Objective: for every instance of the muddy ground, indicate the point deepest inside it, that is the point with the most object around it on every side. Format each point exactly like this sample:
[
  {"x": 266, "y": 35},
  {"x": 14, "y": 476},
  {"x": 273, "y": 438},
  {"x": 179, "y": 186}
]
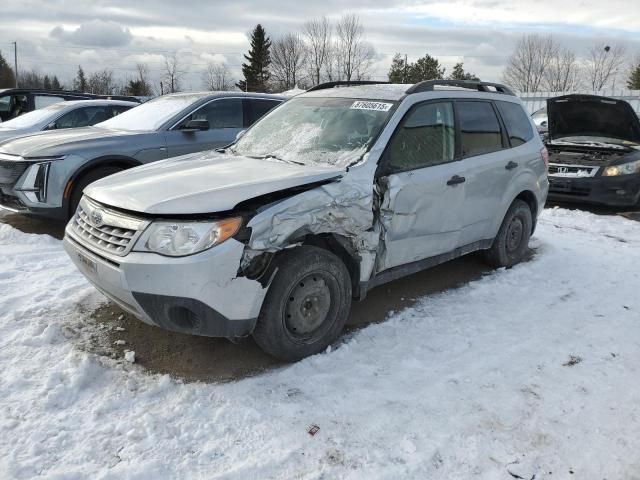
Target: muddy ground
[{"x": 211, "y": 359}]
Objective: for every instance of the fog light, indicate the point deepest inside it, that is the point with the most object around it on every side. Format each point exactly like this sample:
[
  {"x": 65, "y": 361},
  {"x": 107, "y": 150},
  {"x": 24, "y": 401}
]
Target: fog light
[
  {"x": 621, "y": 192},
  {"x": 35, "y": 182}
]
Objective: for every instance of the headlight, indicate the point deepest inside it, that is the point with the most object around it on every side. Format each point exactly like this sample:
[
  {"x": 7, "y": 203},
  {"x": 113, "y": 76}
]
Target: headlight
[
  {"x": 177, "y": 239},
  {"x": 624, "y": 169}
]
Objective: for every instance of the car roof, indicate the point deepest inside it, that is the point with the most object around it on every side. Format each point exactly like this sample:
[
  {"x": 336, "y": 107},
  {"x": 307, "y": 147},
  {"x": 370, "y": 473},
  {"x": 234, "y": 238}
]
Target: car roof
[
  {"x": 381, "y": 91},
  {"x": 99, "y": 102},
  {"x": 210, "y": 94}
]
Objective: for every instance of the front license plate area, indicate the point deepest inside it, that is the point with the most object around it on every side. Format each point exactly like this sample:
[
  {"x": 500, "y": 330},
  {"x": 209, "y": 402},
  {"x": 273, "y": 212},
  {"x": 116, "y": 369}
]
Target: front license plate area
[{"x": 88, "y": 264}]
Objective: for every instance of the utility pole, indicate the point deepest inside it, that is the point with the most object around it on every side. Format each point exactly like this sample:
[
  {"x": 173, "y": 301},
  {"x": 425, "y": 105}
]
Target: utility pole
[
  {"x": 15, "y": 61},
  {"x": 404, "y": 75}
]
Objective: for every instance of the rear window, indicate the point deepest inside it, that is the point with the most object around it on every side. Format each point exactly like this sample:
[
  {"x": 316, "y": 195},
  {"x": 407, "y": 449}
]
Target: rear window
[
  {"x": 479, "y": 128},
  {"x": 517, "y": 123}
]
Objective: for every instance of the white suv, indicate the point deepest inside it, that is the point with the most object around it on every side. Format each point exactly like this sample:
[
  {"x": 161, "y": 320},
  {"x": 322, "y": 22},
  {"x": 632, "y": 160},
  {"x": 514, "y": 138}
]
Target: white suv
[{"x": 333, "y": 193}]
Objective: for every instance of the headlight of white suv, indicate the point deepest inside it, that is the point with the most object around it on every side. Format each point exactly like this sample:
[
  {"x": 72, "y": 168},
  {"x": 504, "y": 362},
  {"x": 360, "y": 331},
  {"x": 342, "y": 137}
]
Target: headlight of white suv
[
  {"x": 623, "y": 169},
  {"x": 177, "y": 239}
]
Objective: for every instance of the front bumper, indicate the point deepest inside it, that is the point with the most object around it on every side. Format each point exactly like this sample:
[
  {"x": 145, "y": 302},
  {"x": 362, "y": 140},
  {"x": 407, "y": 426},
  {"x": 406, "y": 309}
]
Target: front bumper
[
  {"x": 622, "y": 191},
  {"x": 200, "y": 294}
]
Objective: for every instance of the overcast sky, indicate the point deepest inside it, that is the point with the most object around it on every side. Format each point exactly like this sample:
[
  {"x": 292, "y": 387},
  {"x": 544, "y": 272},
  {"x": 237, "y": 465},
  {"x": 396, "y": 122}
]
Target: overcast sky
[{"x": 57, "y": 35}]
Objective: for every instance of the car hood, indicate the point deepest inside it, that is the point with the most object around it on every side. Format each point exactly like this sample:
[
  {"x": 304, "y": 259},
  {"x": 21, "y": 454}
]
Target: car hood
[
  {"x": 592, "y": 116},
  {"x": 202, "y": 183},
  {"x": 59, "y": 142},
  {"x": 7, "y": 133}
]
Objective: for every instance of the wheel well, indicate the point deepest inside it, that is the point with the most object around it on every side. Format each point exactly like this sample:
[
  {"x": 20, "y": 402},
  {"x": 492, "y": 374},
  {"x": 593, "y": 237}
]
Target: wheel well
[
  {"x": 120, "y": 162},
  {"x": 529, "y": 197}
]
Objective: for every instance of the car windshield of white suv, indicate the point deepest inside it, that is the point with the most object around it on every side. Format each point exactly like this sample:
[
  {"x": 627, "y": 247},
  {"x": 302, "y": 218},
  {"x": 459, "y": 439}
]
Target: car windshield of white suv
[
  {"x": 152, "y": 114},
  {"x": 316, "y": 131},
  {"x": 32, "y": 118}
]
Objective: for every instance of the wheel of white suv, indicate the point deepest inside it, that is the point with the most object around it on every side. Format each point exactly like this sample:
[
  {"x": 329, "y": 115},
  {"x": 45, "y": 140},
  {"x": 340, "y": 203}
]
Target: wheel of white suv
[
  {"x": 307, "y": 304},
  {"x": 512, "y": 241}
]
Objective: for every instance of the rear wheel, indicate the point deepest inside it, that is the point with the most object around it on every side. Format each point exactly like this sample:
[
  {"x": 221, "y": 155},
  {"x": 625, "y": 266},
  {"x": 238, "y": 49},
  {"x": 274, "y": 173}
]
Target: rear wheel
[
  {"x": 84, "y": 181},
  {"x": 511, "y": 244},
  {"x": 307, "y": 304}
]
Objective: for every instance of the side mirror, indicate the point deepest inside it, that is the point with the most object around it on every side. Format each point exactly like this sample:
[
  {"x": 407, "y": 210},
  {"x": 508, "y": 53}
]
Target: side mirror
[
  {"x": 240, "y": 134},
  {"x": 51, "y": 126},
  {"x": 195, "y": 125}
]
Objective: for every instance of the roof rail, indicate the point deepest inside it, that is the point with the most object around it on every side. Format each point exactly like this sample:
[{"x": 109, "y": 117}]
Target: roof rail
[
  {"x": 343, "y": 83},
  {"x": 488, "y": 87}
]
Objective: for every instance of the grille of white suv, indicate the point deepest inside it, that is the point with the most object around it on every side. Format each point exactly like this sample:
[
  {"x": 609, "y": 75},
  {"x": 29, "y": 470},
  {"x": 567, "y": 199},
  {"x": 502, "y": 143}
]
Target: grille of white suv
[{"x": 105, "y": 229}]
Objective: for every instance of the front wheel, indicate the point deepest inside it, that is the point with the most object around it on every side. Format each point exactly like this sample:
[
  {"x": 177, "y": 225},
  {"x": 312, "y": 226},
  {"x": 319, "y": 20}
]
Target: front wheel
[
  {"x": 511, "y": 243},
  {"x": 85, "y": 181},
  {"x": 307, "y": 304}
]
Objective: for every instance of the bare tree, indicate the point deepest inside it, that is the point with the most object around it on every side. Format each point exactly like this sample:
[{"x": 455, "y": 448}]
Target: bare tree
[
  {"x": 288, "y": 56},
  {"x": 317, "y": 34},
  {"x": 173, "y": 72},
  {"x": 526, "y": 66},
  {"x": 563, "y": 71},
  {"x": 102, "y": 82},
  {"x": 353, "y": 55},
  {"x": 604, "y": 64},
  {"x": 217, "y": 77}
]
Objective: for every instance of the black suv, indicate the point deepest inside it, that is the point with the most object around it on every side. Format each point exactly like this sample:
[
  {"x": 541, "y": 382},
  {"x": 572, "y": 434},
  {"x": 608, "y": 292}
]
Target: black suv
[{"x": 16, "y": 101}]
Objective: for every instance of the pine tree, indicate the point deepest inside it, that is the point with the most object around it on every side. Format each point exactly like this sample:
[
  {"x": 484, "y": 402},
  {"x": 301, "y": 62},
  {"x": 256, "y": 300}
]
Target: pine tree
[
  {"x": 80, "y": 82},
  {"x": 634, "y": 78},
  {"x": 46, "y": 83},
  {"x": 256, "y": 71},
  {"x": 425, "y": 68},
  {"x": 55, "y": 84},
  {"x": 398, "y": 70},
  {"x": 7, "y": 77},
  {"x": 459, "y": 73}
]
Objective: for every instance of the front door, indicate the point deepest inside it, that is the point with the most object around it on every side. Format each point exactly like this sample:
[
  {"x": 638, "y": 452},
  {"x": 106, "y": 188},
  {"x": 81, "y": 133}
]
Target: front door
[
  {"x": 422, "y": 187},
  {"x": 225, "y": 119}
]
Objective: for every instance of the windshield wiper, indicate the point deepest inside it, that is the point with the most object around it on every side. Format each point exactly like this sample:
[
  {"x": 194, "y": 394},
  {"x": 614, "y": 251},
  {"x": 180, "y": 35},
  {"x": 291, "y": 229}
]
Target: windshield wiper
[{"x": 274, "y": 157}]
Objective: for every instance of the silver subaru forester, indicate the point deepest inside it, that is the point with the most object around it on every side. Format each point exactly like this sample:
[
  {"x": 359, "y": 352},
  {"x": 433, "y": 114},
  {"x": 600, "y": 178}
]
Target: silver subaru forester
[{"x": 332, "y": 193}]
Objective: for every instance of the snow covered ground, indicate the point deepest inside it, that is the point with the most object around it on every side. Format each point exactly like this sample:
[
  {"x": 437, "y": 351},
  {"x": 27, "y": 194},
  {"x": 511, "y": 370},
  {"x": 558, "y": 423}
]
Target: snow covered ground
[{"x": 530, "y": 371}]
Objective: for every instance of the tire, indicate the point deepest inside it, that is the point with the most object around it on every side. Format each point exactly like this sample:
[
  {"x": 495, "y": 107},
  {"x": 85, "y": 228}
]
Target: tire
[
  {"x": 512, "y": 241},
  {"x": 307, "y": 305},
  {"x": 84, "y": 181}
]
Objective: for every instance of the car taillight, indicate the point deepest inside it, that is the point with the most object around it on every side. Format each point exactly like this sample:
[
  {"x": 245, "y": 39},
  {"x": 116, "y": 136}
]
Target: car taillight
[{"x": 544, "y": 153}]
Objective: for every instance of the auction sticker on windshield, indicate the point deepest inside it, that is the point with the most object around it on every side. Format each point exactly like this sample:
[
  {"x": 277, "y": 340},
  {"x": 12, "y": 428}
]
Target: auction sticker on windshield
[{"x": 377, "y": 106}]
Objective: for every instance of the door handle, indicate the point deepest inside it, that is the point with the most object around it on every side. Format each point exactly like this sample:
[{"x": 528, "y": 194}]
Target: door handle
[
  {"x": 511, "y": 165},
  {"x": 456, "y": 179}
]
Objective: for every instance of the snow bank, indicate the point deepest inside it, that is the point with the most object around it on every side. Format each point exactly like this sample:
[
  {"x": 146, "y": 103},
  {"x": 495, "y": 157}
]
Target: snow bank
[{"x": 531, "y": 371}]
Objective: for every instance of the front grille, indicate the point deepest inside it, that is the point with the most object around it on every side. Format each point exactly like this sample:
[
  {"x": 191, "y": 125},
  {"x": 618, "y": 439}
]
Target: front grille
[
  {"x": 10, "y": 172},
  {"x": 576, "y": 171},
  {"x": 105, "y": 229}
]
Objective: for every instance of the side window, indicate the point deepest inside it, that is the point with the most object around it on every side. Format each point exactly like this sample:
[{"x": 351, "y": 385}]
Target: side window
[
  {"x": 118, "y": 109},
  {"x": 479, "y": 128},
  {"x": 516, "y": 122},
  {"x": 83, "y": 117},
  {"x": 12, "y": 106},
  {"x": 222, "y": 113},
  {"x": 258, "y": 108},
  {"x": 42, "y": 101},
  {"x": 426, "y": 137}
]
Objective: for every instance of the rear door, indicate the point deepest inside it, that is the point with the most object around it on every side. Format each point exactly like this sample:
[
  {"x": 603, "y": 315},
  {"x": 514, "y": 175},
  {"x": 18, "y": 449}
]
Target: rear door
[
  {"x": 226, "y": 120},
  {"x": 422, "y": 186},
  {"x": 485, "y": 159}
]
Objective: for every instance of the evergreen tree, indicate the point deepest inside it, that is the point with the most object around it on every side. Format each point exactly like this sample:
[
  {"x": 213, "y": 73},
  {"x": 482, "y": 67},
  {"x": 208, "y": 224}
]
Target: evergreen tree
[
  {"x": 256, "y": 71},
  {"x": 80, "y": 83},
  {"x": 398, "y": 69},
  {"x": 634, "y": 78},
  {"x": 425, "y": 68},
  {"x": 459, "y": 73},
  {"x": 7, "y": 77},
  {"x": 55, "y": 84},
  {"x": 46, "y": 83}
]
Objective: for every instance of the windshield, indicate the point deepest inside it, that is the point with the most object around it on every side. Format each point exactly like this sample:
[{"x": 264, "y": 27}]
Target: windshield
[
  {"x": 152, "y": 114},
  {"x": 316, "y": 131},
  {"x": 33, "y": 118}
]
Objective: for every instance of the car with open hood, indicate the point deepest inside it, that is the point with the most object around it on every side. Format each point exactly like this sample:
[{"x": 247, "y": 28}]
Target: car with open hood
[
  {"x": 45, "y": 173},
  {"x": 594, "y": 151},
  {"x": 334, "y": 192}
]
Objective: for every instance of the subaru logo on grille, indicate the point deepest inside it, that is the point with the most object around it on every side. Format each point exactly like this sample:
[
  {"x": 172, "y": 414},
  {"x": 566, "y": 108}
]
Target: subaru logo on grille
[{"x": 96, "y": 218}]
